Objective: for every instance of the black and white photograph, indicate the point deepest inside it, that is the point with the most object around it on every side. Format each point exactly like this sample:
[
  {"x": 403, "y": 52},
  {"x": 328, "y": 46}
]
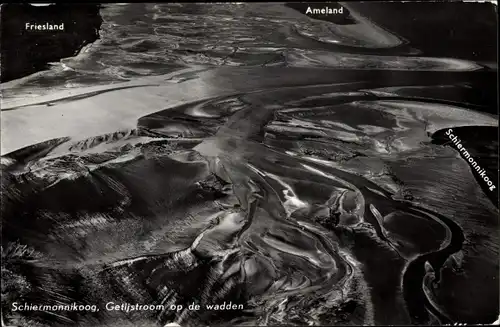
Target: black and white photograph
[{"x": 249, "y": 164}]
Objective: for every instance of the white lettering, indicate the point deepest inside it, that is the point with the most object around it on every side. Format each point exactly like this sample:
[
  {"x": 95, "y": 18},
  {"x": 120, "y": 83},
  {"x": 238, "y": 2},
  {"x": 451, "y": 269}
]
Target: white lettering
[
  {"x": 470, "y": 159},
  {"x": 44, "y": 27},
  {"x": 325, "y": 11}
]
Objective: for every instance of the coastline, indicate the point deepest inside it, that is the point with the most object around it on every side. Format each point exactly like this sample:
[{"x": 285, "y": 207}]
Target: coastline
[{"x": 31, "y": 49}]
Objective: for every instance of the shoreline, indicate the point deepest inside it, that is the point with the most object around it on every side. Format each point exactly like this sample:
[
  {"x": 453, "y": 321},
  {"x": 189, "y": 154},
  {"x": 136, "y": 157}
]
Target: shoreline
[
  {"x": 466, "y": 155},
  {"x": 33, "y": 40}
]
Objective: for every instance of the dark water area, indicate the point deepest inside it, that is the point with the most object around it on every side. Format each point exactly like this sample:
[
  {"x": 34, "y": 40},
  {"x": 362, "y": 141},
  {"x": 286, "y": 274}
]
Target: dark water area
[
  {"x": 423, "y": 267},
  {"x": 25, "y": 52},
  {"x": 294, "y": 165},
  {"x": 423, "y": 24}
]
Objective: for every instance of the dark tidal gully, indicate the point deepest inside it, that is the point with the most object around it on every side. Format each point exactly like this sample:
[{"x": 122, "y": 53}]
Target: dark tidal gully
[{"x": 249, "y": 164}]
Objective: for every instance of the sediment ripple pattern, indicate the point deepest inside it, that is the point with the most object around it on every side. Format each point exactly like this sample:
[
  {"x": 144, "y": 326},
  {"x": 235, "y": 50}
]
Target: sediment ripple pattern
[
  {"x": 271, "y": 205},
  {"x": 296, "y": 168}
]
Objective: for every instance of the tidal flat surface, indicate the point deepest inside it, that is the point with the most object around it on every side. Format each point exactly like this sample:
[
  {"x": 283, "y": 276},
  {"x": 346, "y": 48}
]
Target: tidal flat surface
[{"x": 295, "y": 166}]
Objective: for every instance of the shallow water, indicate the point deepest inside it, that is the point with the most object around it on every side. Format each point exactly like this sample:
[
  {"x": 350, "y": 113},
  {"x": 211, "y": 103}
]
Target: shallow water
[{"x": 248, "y": 153}]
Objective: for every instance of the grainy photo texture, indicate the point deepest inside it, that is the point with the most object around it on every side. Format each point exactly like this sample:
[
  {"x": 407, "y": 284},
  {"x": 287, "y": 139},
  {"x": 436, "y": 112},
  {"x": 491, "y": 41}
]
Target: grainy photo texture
[{"x": 249, "y": 164}]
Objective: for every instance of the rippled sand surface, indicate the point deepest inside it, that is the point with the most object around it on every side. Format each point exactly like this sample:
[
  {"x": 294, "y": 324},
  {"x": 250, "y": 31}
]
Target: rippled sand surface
[{"x": 249, "y": 153}]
